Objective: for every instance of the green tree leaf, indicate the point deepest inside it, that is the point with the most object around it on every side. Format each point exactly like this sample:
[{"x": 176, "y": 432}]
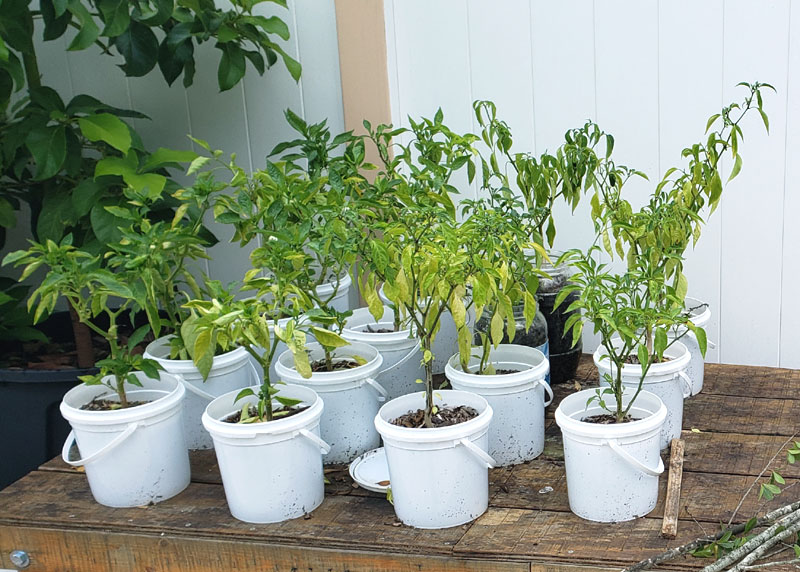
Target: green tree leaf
[
  {"x": 48, "y": 145},
  {"x": 139, "y": 46},
  {"x": 231, "y": 66},
  {"x": 107, "y": 128}
]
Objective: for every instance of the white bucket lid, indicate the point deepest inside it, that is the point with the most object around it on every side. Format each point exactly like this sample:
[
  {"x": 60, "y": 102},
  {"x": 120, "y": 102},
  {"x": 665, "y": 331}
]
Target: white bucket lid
[
  {"x": 354, "y": 330},
  {"x": 284, "y": 367},
  {"x": 280, "y": 429},
  {"x": 371, "y": 469},
  {"x": 648, "y": 407},
  {"x": 530, "y": 363}
]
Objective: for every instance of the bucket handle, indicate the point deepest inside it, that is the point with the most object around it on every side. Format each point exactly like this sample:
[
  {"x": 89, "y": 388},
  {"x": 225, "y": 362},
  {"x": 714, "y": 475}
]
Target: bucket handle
[
  {"x": 687, "y": 384},
  {"x": 100, "y": 452},
  {"x": 634, "y": 462},
  {"x": 383, "y": 395},
  {"x": 324, "y": 448},
  {"x": 402, "y": 361},
  {"x": 548, "y": 390},
  {"x": 479, "y": 453},
  {"x": 256, "y": 380},
  {"x": 194, "y": 389}
]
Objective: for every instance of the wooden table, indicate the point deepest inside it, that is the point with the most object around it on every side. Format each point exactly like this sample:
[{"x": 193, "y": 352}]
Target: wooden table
[{"x": 731, "y": 430}]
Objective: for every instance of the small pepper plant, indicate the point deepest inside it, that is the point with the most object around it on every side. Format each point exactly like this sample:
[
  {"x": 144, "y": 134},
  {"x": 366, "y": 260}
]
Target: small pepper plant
[
  {"x": 644, "y": 304},
  {"x": 94, "y": 291},
  {"x": 428, "y": 260}
]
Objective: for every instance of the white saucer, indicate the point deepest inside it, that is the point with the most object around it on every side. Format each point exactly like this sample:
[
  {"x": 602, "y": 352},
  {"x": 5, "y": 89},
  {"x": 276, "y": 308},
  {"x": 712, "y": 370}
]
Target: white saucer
[{"x": 370, "y": 469}]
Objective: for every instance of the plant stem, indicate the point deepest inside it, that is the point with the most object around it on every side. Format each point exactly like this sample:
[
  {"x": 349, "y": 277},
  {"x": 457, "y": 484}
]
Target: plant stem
[
  {"x": 83, "y": 339},
  {"x": 426, "y": 346},
  {"x": 31, "y": 70}
]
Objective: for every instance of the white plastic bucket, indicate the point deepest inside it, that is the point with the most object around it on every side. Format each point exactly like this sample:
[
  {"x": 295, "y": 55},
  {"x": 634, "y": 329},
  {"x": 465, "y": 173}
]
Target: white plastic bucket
[
  {"x": 352, "y": 398},
  {"x": 229, "y": 371},
  {"x": 439, "y": 476},
  {"x": 516, "y": 433},
  {"x": 133, "y": 456},
  {"x": 701, "y": 316},
  {"x": 341, "y": 301},
  {"x": 612, "y": 470},
  {"x": 668, "y": 380},
  {"x": 446, "y": 342},
  {"x": 271, "y": 471},
  {"x": 402, "y": 356}
]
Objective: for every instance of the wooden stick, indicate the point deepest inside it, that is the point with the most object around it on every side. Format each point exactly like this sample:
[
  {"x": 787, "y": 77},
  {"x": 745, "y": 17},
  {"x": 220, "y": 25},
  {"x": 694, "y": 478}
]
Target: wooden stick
[{"x": 672, "y": 504}]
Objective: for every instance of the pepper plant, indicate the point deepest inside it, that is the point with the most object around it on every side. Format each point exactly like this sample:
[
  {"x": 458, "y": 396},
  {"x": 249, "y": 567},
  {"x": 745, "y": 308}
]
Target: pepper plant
[
  {"x": 643, "y": 305},
  {"x": 428, "y": 260},
  {"x": 93, "y": 291}
]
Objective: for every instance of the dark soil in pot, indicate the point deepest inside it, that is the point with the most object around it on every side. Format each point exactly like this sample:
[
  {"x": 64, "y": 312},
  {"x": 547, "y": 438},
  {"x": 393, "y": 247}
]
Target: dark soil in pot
[
  {"x": 320, "y": 366},
  {"x": 444, "y": 417},
  {"x": 607, "y": 419}
]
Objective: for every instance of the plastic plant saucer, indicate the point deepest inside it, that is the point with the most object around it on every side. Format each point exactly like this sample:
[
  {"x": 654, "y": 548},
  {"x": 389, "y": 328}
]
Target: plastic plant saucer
[{"x": 370, "y": 471}]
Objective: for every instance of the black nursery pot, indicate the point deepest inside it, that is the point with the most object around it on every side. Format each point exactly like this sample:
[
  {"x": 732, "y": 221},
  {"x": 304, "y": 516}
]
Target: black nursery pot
[
  {"x": 32, "y": 430},
  {"x": 564, "y": 357}
]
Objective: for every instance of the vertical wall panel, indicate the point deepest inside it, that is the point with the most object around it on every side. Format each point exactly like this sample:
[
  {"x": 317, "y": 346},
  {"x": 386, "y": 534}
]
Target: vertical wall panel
[
  {"x": 564, "y": 93},
  {"x": 790, "y": 291},
  {"x": 626, "y": 44},
  {"x": 690, "y": 91},
  {"x": 756, "y": 48}
]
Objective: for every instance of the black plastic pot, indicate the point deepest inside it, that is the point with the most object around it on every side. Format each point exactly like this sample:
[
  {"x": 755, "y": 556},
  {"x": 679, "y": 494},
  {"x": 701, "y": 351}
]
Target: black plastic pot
[
  {"x": 564, "y": 357},
  {"x": 32, "y": 430}
]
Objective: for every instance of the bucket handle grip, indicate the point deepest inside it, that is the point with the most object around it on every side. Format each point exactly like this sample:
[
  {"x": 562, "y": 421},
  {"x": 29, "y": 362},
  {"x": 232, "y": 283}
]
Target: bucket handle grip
[
  {"x": 687, "y": 384},
  {"x": 254, "y": 371},
  {"x": 383, "y": 395},
  {"x": 192, "y": 388},
  {"x": 405, "y": 358},
  {"x": 100, "y": 452},
  {"x": 711, "y": 344},
  {"x": 634, "y": 462},
  {"x": 478, "y": 453},
  {"x": 548, "y": 390},
  {"x": 324, "y": 448}
]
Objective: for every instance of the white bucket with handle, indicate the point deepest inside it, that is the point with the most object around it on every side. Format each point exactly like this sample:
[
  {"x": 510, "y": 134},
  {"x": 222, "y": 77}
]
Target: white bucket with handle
[
  {"x": 133, "y": 456},
  {"x": 701, "y": 316},
  {"x": 439, "y": 476},
  {"x": 516, "y": 433},
  {"x": 668, "y": 380},
  {"x": 229, "y": 371},
  {"x": 351, "y": 396},
  {"x": 402, "y": 356},
  {"x": 612, "y": 470},
  {"x": 271, "y": 471}
]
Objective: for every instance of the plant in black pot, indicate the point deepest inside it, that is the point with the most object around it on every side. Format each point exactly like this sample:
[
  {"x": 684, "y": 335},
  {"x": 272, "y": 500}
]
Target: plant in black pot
[{"x": 564, "y": 175}]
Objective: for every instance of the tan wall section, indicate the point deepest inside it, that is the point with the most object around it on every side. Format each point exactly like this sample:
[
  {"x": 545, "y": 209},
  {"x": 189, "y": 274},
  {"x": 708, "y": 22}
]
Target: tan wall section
[{"x": 362, "y": 60}]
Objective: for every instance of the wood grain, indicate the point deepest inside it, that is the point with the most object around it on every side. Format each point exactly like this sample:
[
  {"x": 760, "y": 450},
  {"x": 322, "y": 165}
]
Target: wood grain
[{"x": 669, "y": 528}]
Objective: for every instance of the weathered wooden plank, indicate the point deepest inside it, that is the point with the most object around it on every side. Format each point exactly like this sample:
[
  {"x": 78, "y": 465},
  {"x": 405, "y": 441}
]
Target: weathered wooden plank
[
  {"x": 706, "y": 497},
  {"x": 669, "y": 528},
  {"x": 751, "y": 381},
  {"x": 62, "y": 500},
  {"x": 736, "y": 454},
  {"x": 99, "y": 551},
  {"x": 504, "y": 533},
  {"x": 751, "y": 415}
]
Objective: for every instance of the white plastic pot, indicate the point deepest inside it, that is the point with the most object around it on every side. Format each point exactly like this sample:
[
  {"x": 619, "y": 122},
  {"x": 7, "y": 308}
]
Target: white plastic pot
[
  {"x": 516, "y": 433},
  {"x": 133, "y": 456},
  {"x": 446, "y": 342},
  {"x": 270, "y": 471},
  {"x": 402, "y": 356},
  {"x": 229, "y": 371},
  {"x": 440, "y": 476},
  {"x": 668, "y": 380},
  {"x": 341, "y": 301},
  {"x": 612, "y": 470},
  {"x": 352, "y": 398},
  {"x": 700, "y": 317}
]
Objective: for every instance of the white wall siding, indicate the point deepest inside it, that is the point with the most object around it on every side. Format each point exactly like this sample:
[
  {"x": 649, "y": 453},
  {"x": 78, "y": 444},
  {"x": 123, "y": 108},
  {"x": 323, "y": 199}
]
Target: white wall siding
[{"x": 650, "y": 72}]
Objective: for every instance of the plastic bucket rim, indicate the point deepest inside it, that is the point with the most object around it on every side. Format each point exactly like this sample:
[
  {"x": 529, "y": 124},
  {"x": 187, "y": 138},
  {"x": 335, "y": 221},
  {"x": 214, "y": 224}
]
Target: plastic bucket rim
[
  {"x": 530, "y": 376},
  {"x": 183, "y": 366},
  {"x": 669, "y": 368},
  {"x": 322, "y": 378}
]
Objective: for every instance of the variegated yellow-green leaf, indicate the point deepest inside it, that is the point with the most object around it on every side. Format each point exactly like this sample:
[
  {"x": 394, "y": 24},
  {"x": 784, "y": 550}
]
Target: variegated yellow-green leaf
[
  {"x": 328, "y": 338},
  {"x": 496, "y": 329}
]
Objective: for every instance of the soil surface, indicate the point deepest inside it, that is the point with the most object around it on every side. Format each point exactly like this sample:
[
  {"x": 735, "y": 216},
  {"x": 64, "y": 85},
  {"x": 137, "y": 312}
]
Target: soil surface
[
  {"x": 338, "y": 365},
  {"x": 445, "y": 417},
  {"x": 632, "y": 359},
  {"x": 109, "y": 405},
  {"x": 607, "y": 419},
  {"x": 505, "y": 371},
  {"x": 284, "y": 412},
  {"x": 370, "y": 330}
]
